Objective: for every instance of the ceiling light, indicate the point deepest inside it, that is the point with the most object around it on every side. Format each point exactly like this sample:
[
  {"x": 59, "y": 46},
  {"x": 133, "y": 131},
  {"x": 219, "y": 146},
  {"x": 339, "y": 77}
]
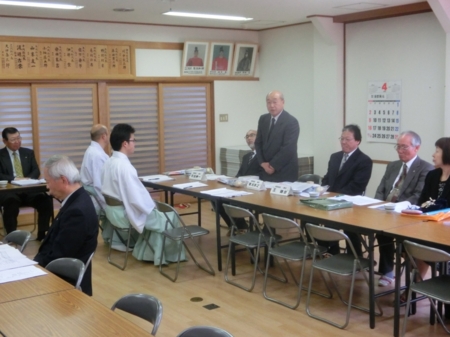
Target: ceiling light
[
  {"x": 39, "y": 4},
  {"x": 208, "y": 16}
]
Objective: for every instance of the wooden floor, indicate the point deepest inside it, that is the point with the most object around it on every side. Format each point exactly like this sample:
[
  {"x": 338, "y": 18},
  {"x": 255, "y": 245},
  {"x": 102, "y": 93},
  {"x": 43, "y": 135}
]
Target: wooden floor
[{"x": 239, "y": 312}]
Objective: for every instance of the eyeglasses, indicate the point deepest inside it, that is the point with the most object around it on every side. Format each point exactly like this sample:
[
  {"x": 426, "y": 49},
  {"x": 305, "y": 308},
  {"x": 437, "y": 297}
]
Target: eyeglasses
[
  {"x": 250, "y": 136},
  {"x": 132, "y": 140},
  {"x": 15, "y": 140},
  {"x": 401, "y": 147},
  {"x": 346, "y": 140}
]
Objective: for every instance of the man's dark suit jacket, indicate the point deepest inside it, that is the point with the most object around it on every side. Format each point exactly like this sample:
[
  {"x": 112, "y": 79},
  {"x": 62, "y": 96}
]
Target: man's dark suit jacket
[
  {"x": 430, "y": 189},
  {"x": 354, "y": 176},
  {"x": 73, "y": 234},
  {"x": 412, "y": 185},
  {"x": 280, "y": 150},
  {"x": 249, "y": 167},
  {"x": 30, "y": 167}
]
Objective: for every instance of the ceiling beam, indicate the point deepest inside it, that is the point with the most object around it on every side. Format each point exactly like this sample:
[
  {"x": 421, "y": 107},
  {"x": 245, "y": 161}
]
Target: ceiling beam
[{"x": 388, "y": 12}]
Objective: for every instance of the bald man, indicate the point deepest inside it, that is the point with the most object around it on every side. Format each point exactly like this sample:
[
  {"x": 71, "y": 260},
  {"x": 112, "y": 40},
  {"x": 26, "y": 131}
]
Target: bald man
[
  {"x": 93, "y": 160},
  {"x": 276, "y": 141}
]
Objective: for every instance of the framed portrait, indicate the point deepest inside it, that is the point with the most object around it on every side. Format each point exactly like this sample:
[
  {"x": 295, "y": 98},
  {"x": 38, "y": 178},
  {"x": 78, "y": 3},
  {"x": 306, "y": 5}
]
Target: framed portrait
[
  {"x": 194, "y": 58},
  {"x": 220, "y": 59},
  {"x": 244, "y": 59}
]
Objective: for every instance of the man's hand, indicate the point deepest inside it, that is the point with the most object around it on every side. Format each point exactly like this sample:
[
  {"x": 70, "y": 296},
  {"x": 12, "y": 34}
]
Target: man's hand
[{"x": 269, "y": 169}]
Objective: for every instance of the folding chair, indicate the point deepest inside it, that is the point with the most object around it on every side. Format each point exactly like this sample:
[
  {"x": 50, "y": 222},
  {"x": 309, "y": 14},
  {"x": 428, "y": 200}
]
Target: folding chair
[
  {"x": 310, "y": 177},
  {"x": 144, "y": 306},
  {"x": 181, "y": 233},
  {"x": 100, "y": 211},
  {"x": 18, "y": 238},
  {"x": 254, "y": 238},
  {"x": 69, "y": 269},
  {"x": 204, "y": 331},
  {"x": 340, "y": 264},
  {"x": 436, "y": 288},
  {"x": 123, "y": 229},
  {"x": 297, "y": 250}
]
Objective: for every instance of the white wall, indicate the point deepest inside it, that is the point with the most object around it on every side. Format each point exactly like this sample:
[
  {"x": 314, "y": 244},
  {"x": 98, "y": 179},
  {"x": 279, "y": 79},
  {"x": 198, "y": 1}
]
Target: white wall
[
  {"x": 286, "y": 64},
  {"x": 411, "y": 49}
]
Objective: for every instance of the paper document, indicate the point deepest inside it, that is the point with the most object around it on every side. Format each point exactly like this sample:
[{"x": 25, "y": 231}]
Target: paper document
[
  {"x": 156, "y": 177},
  {"x": 216, "y": 176},
  {"x": 26, "y": 182},
  {"x": 20, "y": 274},
  {"x": 225, "y": 193},
  {"x": 186, "y": 186},
  {"x": 247, "y": 178},
  {"x": 399, "y": 206},
  {"x": 11, "y": 258},
  {"x": 358, "y": 200}
]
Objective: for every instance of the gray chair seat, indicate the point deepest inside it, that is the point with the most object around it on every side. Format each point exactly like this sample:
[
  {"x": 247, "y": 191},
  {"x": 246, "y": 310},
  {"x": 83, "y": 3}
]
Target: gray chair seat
[
  {"x": 341, "y": 264},
  {"x": 185, "y": 232}
]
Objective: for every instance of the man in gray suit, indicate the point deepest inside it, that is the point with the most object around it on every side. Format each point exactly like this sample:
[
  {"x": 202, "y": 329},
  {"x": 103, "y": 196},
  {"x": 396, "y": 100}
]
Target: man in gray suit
[
  {"x": 402, "y": 181},
  {"x": 276, "y": 141}
]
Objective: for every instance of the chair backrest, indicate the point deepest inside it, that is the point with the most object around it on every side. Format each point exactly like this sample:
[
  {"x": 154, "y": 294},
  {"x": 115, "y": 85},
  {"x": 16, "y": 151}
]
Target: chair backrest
[
  {"x": 19, "y": 238},
  {"x": 276, "y": 222},
  {"x": 310, "y": 177},
  {"x": 111, "y": 201},
  {"x": 68, "y": 268},
  {"x": 328, "y": 234},
  {"x": 240, "y": 213},
  {"x": 168, "y": 210},
  {"x": 204, "y": 331},
  {"x": 144, "y": 306},
  {"x": 93, "y": 194},
  {"x": 425, "y": 253}
]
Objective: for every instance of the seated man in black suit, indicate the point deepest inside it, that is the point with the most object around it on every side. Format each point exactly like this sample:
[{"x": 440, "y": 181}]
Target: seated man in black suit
[
  {"x": 249, "y": 167},
  {"x": 75, "y": 229},
  {"x": 16, "y": 163},
  {"x": 348, "y": 173}
]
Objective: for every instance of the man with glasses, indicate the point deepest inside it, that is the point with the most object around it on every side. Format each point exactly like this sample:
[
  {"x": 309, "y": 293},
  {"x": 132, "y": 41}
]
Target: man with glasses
[
  {"x": 17, "y": 163},
  {"x": 403, "y": 181},
  {"x": 250, "y": 165},
  {"x": 348, "y": 173}
]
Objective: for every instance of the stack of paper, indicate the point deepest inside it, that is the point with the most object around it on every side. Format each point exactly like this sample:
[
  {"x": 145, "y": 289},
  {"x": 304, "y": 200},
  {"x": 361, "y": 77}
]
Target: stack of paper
[
  {"x": 16, "y": 266},
  {"x": 26, "y": 182},
  {"x": 357, "y": 199},
  {"x": 225, "y": 193},
  {"x": 156, "y": 177},
  {"x": 186, "y": 186}
]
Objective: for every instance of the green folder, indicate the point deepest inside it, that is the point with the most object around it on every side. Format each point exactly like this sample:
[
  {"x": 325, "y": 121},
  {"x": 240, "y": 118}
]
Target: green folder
[{"x": 326, "y": 204}]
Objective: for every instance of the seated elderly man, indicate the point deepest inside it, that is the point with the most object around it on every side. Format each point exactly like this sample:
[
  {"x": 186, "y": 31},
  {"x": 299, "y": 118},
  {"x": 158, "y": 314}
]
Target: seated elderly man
[
  {"x": 75, "y": 229},
  {"x": 120, "y": 181}
]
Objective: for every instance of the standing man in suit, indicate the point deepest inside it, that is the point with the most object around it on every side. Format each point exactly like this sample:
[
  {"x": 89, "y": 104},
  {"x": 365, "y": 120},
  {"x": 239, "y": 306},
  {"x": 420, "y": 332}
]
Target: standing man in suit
[
  {"x": 403, "y": 181},
  {"x": 276, "y": 141},
  {"x": 349, "y": 173},
  {"x": 17, "y": 163},
  {"x": 75, "y": 229}
]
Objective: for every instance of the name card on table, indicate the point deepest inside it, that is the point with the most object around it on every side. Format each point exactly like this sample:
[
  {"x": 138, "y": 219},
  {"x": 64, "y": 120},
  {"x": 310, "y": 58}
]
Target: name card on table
[
  {"x": 197, "y": 175},
  {"x": 281, "y": 190},
  {"x": 255, "y": 184}
]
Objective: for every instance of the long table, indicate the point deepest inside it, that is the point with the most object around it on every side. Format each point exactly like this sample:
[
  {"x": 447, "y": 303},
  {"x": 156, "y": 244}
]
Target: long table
[
  {"x": 436, "y": 234},
  {"x": 358, "y": 219},
  {"x": 11, "y": 188},
  {"x": 64, "y": 313},
  {"x": 31, "y": 287}
]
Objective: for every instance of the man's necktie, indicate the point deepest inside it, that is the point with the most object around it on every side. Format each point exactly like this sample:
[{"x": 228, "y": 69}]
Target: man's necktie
[
  {"x": 393, "y": 195},
  {"x": 272, "y": 124},
  {"x": 17, "y": 165},
  {"x": 344, "y": 159},
  {"x": 251, "y": 157}
]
